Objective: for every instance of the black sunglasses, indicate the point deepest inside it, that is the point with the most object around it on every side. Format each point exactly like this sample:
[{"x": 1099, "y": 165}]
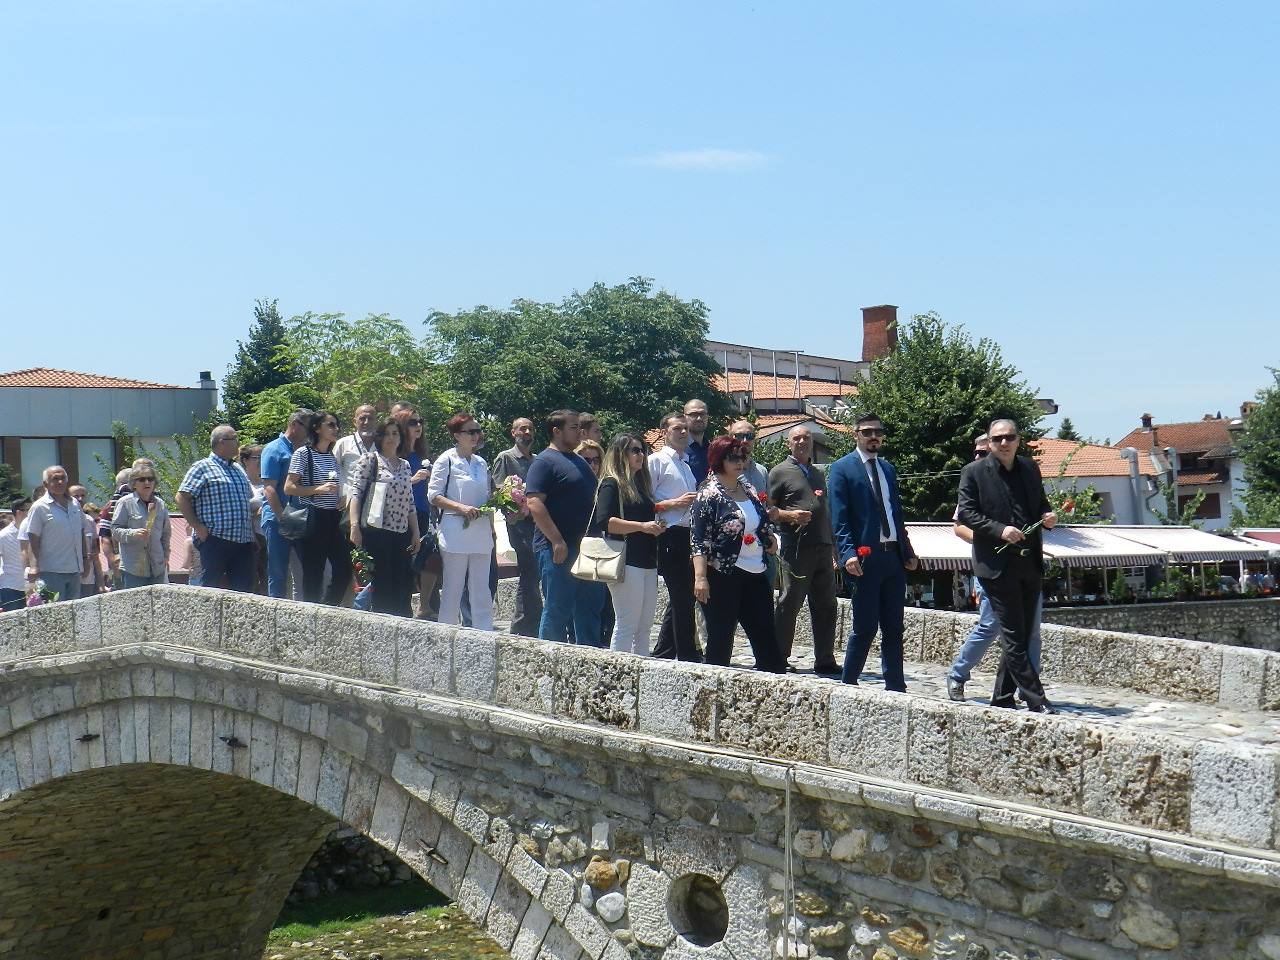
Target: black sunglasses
[
  {"x": 635, "y": 449},
  {"x": 744, "y": 436},
  {"x": 474, "y": 431},
  {"x": 871, "y": 431},
  {"x": 415, "y": 422}
]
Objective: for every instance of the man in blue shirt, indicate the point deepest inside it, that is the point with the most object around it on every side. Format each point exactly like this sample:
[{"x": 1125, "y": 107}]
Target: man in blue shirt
[
  {"x": 214, "y": 499},
  {"x": 274, "y": 467},
  {"x": 561, "y": 489},
  {"x": 695, "y": 414}
]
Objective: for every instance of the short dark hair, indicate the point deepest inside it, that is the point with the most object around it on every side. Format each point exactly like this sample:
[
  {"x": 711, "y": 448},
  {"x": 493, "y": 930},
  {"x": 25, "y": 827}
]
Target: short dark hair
[
  {"x": 720, "y": 448},
  {"x": 666, "y": 421},
  {"x": 458, "y": 421},
  {"x": 19, "y": 503},
  {"x": 556, "y": 420},
  {"x": 586, "y": 419},
  {"x": 867, "y": 418},
  {"x": 303, "y": 416},
  {"x": 380, "y": 432}
]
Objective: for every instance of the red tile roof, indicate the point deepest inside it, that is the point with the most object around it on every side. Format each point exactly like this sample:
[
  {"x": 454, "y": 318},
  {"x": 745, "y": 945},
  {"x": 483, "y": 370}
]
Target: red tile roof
[
  {"x": 1195, "y": 478},
  {"x": 1196, "y": 436},
  {"x": 49, "y": 377},
  {"x": 1087, "y": 460},
  {"x": 765, "y": 386}
]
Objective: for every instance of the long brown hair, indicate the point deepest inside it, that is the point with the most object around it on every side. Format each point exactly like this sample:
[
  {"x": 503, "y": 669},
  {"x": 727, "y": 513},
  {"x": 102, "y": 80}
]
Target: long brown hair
[{"x": 633, "y": 487}]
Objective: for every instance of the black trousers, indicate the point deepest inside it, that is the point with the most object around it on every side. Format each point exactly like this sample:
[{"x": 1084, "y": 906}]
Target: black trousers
[
  {"x": 1014, "y": 595},
  {"x": 327, "y": 543},
  {"x": 814, "y": 580},
  {"x": 677, "y": 639},
  {"x": 528, "y": 612},
  {"x": 392, "y": 570},
  {"x": 738, "y": 597}
]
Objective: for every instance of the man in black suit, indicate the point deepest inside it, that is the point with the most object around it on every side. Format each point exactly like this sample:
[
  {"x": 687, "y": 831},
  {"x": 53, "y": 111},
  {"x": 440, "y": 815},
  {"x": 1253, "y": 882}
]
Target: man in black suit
[
  {"x": 798, "y": 489},
  {"x": 1001, "y": 497}
]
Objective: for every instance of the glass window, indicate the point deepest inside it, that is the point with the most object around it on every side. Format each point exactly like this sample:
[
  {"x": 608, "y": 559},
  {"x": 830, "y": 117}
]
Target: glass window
[
  {"x": 96, "y": 458},
  {"x": 37, "y": 453}
]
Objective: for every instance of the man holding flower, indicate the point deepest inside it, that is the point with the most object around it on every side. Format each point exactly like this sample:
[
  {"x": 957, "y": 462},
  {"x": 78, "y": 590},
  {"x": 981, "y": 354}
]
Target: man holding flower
[{"x": 1002, "y": 501}]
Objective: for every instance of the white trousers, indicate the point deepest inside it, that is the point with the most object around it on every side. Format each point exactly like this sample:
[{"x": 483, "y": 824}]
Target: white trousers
[
  {"x": 459, "y": 570},
  {"x": 634, "y": 601}
]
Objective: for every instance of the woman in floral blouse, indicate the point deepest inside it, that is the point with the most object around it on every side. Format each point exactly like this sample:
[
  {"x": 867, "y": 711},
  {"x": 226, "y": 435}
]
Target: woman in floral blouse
[
  {"x": 384, "y": 521},
  {"x": 730, "y": 537}
]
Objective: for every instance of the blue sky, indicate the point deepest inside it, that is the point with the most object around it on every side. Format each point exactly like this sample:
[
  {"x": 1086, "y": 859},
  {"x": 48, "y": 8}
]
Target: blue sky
[{"x": 1091, "y": 184}]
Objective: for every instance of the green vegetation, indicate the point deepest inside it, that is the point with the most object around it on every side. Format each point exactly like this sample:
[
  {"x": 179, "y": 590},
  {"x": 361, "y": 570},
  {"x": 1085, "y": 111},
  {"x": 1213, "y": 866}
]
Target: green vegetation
[{"x": 343, "y": 911}]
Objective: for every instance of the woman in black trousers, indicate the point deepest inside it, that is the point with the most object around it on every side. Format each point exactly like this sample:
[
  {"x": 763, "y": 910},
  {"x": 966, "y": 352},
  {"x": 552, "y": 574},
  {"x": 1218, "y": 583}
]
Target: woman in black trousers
[
  {"x": 384, "y": 521},
  {"x": 313, "y": 476}
]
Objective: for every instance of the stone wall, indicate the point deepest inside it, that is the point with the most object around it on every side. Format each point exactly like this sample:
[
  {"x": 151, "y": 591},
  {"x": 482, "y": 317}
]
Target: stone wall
[
  {"x": 1238, "y": 623},
  {"x": 569, "y": 799}
]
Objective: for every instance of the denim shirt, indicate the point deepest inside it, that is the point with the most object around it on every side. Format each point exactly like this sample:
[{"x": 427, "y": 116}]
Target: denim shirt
[{"x": 717, "y": 523}]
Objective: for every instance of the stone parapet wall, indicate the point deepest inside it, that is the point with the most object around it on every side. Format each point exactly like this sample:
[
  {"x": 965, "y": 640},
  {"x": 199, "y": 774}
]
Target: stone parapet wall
[
  {"x": 1204, "y": 789},
  {"x": 1237, "y": 623},
  {"x": 567, "y": 840}
]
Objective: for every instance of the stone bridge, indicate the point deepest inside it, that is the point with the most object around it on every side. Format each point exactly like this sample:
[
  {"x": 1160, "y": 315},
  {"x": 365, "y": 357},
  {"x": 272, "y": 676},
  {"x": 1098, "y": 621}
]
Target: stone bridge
[{"x": 171, "y": 757}]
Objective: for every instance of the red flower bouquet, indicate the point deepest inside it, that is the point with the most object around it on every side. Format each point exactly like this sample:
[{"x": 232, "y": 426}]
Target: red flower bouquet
[
  {"x": 864, "y": 552},
  {"x": 749, "y": 538}
]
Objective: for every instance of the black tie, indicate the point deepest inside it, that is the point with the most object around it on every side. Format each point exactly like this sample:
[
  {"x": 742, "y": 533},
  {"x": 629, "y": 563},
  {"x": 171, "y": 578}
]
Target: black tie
[{"x": 884, "y": 517}]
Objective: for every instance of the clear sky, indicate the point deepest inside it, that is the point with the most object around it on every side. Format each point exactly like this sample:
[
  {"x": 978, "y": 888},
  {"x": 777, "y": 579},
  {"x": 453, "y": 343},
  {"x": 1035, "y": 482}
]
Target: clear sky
[{"x": 1091, "y": 184}]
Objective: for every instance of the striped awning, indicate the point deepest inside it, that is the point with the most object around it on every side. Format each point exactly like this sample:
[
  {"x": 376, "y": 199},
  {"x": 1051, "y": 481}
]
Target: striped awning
[
  {"x": 938, "y": 547},
  {"x": 1096, "y": 546},
  {"x": 1188, "y": 545}
]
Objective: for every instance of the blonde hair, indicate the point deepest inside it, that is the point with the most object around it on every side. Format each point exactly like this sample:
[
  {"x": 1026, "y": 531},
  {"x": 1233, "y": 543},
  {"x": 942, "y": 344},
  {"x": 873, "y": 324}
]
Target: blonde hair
[
  {"x": 590, "y": 445},
  {"x": 633, "y": 487}
]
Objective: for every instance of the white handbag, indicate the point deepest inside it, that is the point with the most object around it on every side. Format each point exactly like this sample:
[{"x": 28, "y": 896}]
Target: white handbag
[{"x": 600, "y": 561}]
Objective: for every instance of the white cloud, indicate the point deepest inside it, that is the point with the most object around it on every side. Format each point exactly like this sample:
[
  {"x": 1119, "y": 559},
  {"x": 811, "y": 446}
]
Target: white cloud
[{"x": 707, "y": 159}]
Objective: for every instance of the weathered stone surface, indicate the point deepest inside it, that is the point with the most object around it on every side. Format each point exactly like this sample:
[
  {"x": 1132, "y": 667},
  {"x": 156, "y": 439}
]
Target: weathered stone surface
[
  {"x": 424, "y": 656},
  {"x": 929, "y": 743},
  {"x": 611, "y": 907},
  {"x": 1233, "y": 793},
  {"x": 179, "y": 613},
  {"x": 868, "y": 732},
  {"x": 647, "y": 906},
  {"x": 1148, "y": 927},
  {"x": 526, "y": 675},
  {"x": 1015, "y": 756},
  {"x": 1242, "y": 683},
  {"x": 600, "y": 873},
  {"x": 475, "y": 664},
  {"x": 677, "y": 700},
  {"x": 760, "y": 715},
  {"x": 249, "y": 626},
  {"x": 1131, "y": 779},
  {"x": 599, "y": 687}
]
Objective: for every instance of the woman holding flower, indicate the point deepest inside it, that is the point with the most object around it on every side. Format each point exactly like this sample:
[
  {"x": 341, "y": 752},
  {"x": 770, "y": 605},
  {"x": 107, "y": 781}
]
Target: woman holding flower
[
  {"x": 141, "y": 531},
  {"x": 459, "y": 487},
  {"x": 731, "y": 533}
]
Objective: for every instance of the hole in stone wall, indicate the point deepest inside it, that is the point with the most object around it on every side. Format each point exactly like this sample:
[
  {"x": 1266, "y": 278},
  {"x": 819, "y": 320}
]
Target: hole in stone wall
[
  {"x": 697, "y": 909},
  {"x": 104, "y": 913}
]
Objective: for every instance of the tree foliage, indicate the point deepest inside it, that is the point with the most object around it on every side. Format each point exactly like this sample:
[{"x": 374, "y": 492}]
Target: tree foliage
[
  {"x": 1260, "y": 451},
  {"x": 1071, "y": 502},
  {"x": 935, "y": 393},
  {"x": 1067, "y": 431},
  {"x": 10, "y": 485},
  {"x": 259, "y": 364},
  {"x": 625, "y": 353}
]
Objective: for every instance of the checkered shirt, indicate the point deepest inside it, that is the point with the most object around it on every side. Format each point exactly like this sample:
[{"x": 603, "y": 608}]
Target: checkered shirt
[{"x": 220, "y": 491}]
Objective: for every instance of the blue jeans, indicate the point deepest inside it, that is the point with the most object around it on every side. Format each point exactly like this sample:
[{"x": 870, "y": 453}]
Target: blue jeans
[
  {"x": 279, "y": 550},
  {"x": 567, "y": 608},
  {"x": 986, "y": 630},
  {"x": 227, "y": 558},
  {"x": 65, "y": 585},
  {"x": 132, "y": 580},
  {"x": 12, "y": 599}
]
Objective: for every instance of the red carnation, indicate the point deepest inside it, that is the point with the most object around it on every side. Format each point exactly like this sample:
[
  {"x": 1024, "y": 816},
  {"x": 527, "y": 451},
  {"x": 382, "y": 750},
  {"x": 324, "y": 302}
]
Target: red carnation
[
  {"x": 763, "y": 498},
  {"x": 749, "y": 539},
  {"x": 864, "y": 552}
]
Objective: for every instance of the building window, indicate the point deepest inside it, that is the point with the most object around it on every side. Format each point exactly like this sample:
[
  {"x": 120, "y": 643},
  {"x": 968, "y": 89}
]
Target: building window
[
  {"x": 91, "y": 450},
  {"x": 37, "y": 453},
  {"x": 1210, "y": 508}
]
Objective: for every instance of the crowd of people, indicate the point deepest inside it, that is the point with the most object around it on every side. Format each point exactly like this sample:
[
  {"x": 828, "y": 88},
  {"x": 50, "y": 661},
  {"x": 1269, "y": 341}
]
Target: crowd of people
[{"x": 593, "y": 526}]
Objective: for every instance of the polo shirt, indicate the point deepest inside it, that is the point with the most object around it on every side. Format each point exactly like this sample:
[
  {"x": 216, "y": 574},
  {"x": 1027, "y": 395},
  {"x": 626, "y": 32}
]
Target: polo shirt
[
  {"x": 275, "y": 466},
  {"x": 61, "y": 533}
]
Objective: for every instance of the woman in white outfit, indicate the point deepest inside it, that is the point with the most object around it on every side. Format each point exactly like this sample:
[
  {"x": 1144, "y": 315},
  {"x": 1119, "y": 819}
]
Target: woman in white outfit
[
  {"x": 459, "y": 487},
  {"x": 624, "y": 509}
]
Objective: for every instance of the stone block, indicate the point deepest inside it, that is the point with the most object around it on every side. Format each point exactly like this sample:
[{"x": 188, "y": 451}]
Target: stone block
[
  {"x": 559, "y": 944},
  {"x": 526, "y": 677},
  {"x": 598, "y": 686},
  {"x": 378, "y": 648},
  {"x": 940, "y": 637},
  {"x": 647, "y": 906},
  {"x": 678, "y": 700},
  {"x": 1243, "y": 675},
  {"x": 1233, "y": 793},
  {"x": 249, "y": 626},
  {"x": 1177, "y": 669},
  {"x": 685, "y": 849},
  {"x": 262, "y": 751},
  {"x": 424, "y": 656},
  {"x": 389, "y": 811},
  {"x": 587, "y": 930},
  {"x": 51, "y": 629},
  {"x": 288, "y": 755},
  {"x": 1137, "y": 779},
  {"x": 1094, "y": 658},
  {"x": 510, "y": 901},
  {"x": 331, "y": 788},
  {"x": 186, "y": 617},
  {"x": 868, "y": 732},
  {"x": 748, "y": 934},
  {"x": 1053, "y": 641},
  {"x": 913, "y": 627},
  {"x": 533, "y": 929},
  {"x": 126, "y": 616},
  {"x": 475, "y": 664},
  {"x": 447, "y": 867},
  {"x": 930, "y": 741},
  {"x": 296, "y": 636},
  {"x": 351, "y": 738},
  {"x": 413, "y": 775},
  {"x": 1018, "y": 756},
  {"x": 13, "y": 635},
  {"x": 362, "y": 794},
  {"x": 774, "y": 716},
  {"x": 338, "y": 642},
  {"x": 88, "y": 624}
]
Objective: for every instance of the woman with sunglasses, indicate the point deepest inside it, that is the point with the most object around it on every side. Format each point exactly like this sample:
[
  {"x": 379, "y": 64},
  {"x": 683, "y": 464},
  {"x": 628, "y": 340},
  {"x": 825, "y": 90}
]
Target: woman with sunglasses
[
  {"x": 730, "y": 536},
  {"x": 624, "y": 508},
  {"x": 459, "y": 487},
  {"x": 313, "y": 476},
  {"x": 140, "y": 530},
  {"x": 413, "y": 450}
]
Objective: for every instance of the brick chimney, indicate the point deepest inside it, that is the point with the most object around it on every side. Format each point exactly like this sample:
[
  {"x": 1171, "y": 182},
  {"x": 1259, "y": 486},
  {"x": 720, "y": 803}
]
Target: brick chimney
[
  {"x": 1146, "y": 421},
  {"x": 879, "y": 331}
]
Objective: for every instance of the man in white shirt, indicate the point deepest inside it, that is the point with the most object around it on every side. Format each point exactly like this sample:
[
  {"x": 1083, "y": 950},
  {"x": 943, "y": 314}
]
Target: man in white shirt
[
  {"x": 55, "y": 531},
  {"x": 350, "y": 449},
  {"x": 674, "y": 490},
  {"x": 13, "y": 574}
]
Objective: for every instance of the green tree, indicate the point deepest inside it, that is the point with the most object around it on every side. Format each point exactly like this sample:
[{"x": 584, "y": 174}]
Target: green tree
[
  {"x": 1067, "y": 431},
  {"x": 1259, "y": 448},
  {"x": 269, "y": 410},
  {"x": 1072, "y": 503},
  {"x": 10, "y": 485},
  {"x": 935, "y": 393},
  {"x": 260, "y": 363},
  {"x": 624, "y": 353}
]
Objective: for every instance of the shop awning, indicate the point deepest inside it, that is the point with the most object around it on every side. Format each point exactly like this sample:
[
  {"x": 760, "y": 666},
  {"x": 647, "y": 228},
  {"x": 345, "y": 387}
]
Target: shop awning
[
  {"x": 1188, "y": 545},
  {"x": 938, "y": 548},
  {"x": 1097, "y": 546}
]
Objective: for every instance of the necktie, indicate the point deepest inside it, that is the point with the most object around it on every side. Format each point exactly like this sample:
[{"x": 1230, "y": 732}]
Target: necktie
[{"x": 875, "y": 482}]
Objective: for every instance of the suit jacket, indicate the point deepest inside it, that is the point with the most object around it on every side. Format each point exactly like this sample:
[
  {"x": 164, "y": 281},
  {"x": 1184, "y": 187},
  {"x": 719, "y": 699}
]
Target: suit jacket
[
  {"x": 855, "y": 516},
  {"x": 986, "y": 508},
  {"x": 791, "y": 489}
]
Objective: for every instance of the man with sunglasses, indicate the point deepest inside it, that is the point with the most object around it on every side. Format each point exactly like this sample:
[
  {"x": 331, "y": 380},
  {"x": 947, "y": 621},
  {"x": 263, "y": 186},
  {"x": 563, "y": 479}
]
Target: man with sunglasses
[
  {"x": 987, "y": 628},
  {"x": 873, "y": 547},
  {"x": 1002, "y": 501}
]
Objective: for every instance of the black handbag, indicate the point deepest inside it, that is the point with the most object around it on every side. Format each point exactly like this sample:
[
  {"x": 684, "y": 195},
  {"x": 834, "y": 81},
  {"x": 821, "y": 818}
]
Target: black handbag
[{"x": 297, "y": 520}]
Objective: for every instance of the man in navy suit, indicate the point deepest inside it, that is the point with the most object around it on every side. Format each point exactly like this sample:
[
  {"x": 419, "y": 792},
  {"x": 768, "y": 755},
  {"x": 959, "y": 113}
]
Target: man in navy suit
[{"x": 872, "y": 545}]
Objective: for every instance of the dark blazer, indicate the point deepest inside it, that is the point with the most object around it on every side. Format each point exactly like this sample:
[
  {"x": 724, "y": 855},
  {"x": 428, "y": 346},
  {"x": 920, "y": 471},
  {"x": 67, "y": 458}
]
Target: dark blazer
[
  {"x": 986, "y": 509},
  {"x": 790, "y": 489},
  {"x": 855, "y": 517}
]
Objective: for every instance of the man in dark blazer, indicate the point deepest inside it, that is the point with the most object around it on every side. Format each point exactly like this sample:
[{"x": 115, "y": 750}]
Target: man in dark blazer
[
  {"x": 872, "y": 545},
  {"x": 1001, "y": 497},
  {"x": 798, "y": 489}
]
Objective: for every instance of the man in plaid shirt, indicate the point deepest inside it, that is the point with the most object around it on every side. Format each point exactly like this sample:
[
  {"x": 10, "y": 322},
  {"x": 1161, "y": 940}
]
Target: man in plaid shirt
[{"x": 214, "y": 498}]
